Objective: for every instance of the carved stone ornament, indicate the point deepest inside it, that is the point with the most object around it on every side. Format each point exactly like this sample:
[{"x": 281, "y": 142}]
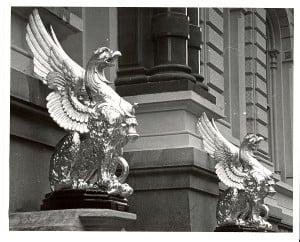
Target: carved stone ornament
[
  {"x": 98, "y": 120},
  {"x": 249, "y": 182}
]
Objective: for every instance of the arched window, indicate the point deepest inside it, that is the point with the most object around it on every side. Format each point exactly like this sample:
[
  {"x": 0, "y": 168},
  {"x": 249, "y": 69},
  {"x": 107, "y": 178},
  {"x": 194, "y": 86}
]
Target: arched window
[{"x": 279, "y": 46}]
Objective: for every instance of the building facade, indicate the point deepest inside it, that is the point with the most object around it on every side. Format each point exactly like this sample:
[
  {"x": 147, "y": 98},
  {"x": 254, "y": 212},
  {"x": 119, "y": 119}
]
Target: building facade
[{"x": 235, "y": 64}]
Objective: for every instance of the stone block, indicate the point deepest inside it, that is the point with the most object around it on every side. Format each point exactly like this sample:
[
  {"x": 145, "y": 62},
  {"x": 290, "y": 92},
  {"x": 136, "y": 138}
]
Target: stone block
[
  {"x": 219, "y": 11},
  {"x": 261, "y": 100},
  {"x": 187, "y": 156},
  {"x": 248, "y": 20},
  {"x": 248, "y": 36},
  {"x": 249, "y": 66},
  {"x": 160, "y": 210},
  {"x": 260, "y": 25},
  {"x": 215, "y": 60},
  {"x": 173, "y": 198},
  {"x": 185, "y": 100},
  {"x": 261, "y": 71},
  {"x": 215, "y": 80},
  {"x": 71, "y": 219},
  {"x": 33, "y": 124},
  {"x": 28, "y": 88},
  {"x": 18, "y": 32},
  {"x": 21, "y": 61},
  {"x": 262, "y": 116},
  {"x": 262, "y": 129},
  {"x": 250, "y": 109},
  {"x": 219, "y": 98},
  {"x": 261, "y": 86},
  {"x": 28, "y": 174},
  {"x": 214, "y": 20},
  {"x": 260, "y": 40},
  {"x": 261, "y": 12},
  {"x": 264, "y": 147},
  {"x": 214, "y": 40},
  {"x": 260, "y": 55},
  {"x": 162, "y": 87}
]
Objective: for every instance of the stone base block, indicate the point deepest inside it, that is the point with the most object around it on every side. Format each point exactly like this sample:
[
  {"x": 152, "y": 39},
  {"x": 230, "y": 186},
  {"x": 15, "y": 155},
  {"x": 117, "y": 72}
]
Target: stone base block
[
  {"x": 82, "y": 198},
  {"x": 164, "y": 86},
  {"x": 71, "y": 220},
  {"x": 238, "y": 228}
]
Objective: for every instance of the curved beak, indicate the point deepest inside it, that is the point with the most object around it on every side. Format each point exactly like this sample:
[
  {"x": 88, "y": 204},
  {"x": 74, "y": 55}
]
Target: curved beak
[
  {"x": 111, "y": 60},
  {"x": 116, "y": 54},
  {"x": 260, "y": 138}
]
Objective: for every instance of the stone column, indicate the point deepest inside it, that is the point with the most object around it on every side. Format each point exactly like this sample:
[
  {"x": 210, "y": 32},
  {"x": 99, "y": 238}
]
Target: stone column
[
  {"x": 170, "y": 33},
  {"x": 156, "y": 55},
  {"x": 195, "y": 43},
  {"x": 272, "y": 84}
]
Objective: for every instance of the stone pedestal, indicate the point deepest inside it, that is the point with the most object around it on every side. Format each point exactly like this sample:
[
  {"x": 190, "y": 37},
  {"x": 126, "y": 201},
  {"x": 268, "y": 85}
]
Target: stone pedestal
[
  {"x": 71, "y": 220},
  {"x": 83, "y": 198},
  {"x": 238, "y": 228}
]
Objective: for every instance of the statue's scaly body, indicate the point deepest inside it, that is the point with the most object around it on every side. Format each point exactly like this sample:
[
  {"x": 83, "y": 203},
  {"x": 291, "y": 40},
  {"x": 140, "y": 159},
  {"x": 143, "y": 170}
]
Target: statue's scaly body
[
  {"x": 90, "y": 160},
  {"x": 245, "y": 207}
]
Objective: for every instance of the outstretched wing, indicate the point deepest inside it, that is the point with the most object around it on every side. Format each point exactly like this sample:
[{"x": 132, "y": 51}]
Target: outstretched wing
[
  {"x": 47, "y": 51},
  {"x": 225, "y": 153},
  {"x": 60, "y": 73}
]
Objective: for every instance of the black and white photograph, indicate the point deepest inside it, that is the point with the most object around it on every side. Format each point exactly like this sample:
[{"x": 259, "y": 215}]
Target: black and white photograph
[{"x": 152, "y": 119}]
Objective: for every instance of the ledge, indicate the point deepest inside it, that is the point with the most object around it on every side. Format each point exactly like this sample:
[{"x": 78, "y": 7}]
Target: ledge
[
  {"x": 33, "y": 123},
  {"x": 284, "y": 188},
  {"x": 60, "y": 18},
  {"x": 71, "y": 219},
  {"x": 179, "y": 100}
]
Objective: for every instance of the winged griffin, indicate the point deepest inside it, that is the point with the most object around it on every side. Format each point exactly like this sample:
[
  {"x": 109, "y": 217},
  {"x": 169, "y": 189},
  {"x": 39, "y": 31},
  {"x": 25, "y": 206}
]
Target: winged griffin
[
  {"x": 249, "y": 181},
  {"x": 99, "y": 122}
]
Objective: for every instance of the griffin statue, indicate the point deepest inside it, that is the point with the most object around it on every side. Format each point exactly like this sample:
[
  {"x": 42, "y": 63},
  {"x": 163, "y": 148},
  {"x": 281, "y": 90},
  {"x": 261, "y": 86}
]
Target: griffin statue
[
  {"x": 99, "y": 122},
  {"x": 249, "y": 181}
]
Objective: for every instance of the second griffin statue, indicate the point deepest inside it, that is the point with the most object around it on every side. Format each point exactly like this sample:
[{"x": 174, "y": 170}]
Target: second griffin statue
[
  {"x": 99, "y": 121},
  {"x": 249, "y": 182}
]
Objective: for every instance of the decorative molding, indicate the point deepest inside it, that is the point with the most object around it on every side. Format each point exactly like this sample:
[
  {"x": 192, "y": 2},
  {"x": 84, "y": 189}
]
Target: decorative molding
[{"x": 185, "y": 100}]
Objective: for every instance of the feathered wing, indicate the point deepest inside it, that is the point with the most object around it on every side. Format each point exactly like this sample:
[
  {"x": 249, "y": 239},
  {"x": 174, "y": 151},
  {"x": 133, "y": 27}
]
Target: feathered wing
[
  {"x": 225, "y": 153},
  {"x": 57, "y": 70}
]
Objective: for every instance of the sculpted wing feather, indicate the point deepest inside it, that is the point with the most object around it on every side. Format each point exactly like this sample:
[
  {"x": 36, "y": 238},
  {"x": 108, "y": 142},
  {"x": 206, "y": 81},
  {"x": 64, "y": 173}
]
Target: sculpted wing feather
[
  {"x": 60, "y": 73},
  {"x": 47, "y": 49},
  {"x": 225, "y": 153}
]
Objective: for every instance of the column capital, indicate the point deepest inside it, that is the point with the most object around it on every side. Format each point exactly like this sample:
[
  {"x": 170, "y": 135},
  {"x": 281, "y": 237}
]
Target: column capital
[{"x": 273, "y": 53}]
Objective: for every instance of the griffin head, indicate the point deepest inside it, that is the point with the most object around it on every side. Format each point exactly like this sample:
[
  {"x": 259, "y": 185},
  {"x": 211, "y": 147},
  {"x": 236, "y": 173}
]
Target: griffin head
[
  {"x": 102, "y": 57},
  {"x": 249, "y": 159},
  {"x": 105, "y": 57},
  {"x": 251, "y": 142}
]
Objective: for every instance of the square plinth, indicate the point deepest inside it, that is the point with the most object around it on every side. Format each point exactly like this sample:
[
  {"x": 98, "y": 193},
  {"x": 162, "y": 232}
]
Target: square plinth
[{"x": 71, "y": 219}]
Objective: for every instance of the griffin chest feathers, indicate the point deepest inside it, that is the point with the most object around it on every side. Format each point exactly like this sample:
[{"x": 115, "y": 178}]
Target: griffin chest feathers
[
  {"x": 97, "y": 85},
  {"x": 94, "y": 77}
]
